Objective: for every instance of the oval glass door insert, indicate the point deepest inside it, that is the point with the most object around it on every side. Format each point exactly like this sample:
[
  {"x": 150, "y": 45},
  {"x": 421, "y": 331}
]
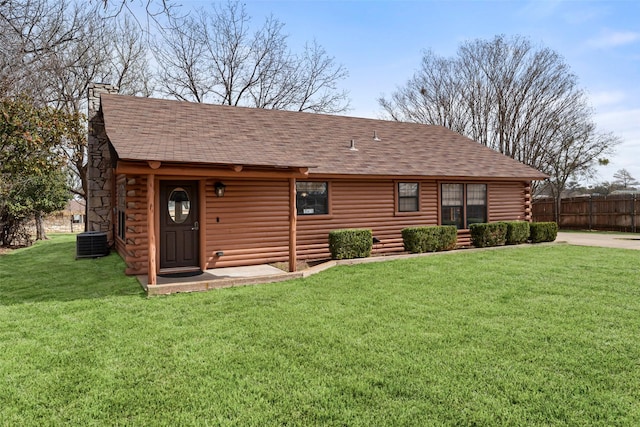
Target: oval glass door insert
[{"x": 179, "y": 205}]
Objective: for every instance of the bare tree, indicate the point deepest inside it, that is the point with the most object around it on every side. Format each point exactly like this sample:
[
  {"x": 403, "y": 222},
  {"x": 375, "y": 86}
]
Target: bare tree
[
  {"x": 155, "y": 9},
  {"x": 571, "y": 155},
  {"x": 40, "y": 40},
  {"x": 215, "y": 56},
  {"x": 106, "y": 50},
  {"x": 124, "y": 59},
  {"x": 55, "y": 49},
  {"x": 624, "y": 179},
  {"x": 32, "y": 32},
  {"x": 507, "y": 94},
  {"x": 433, "y": 95},
  {"x": 129, "y": 59},
  {"x": 180, "y": 54},
  {"x": 313, "y": 84}
]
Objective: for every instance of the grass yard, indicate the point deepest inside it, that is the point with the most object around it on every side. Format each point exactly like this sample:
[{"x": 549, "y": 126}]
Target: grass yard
[{"x": 529, "y": 335}]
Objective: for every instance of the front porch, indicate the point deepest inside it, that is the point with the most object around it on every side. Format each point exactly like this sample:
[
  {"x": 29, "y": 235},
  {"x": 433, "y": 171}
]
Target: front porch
[{"x": 216, "y": 278}]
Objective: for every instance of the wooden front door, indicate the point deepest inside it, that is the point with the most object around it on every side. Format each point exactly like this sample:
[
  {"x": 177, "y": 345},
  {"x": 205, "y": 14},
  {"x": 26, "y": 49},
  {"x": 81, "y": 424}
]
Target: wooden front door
[{"x": 179, "y": 225}]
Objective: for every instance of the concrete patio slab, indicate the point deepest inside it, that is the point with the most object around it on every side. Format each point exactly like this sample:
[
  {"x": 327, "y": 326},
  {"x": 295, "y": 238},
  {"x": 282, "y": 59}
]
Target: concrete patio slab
[
  {"x": 216, "y": 278},
  {"x": 249, "y": 271}
]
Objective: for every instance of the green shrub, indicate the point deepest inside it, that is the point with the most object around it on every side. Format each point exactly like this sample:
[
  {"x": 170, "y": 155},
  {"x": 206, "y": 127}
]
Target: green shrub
[
  {"x": 430, "y": 239},
  {"x": 350, "y": 243},
  {"x": 485, "y": 235},
  {"x": 517, "y": 232},
  {"x": 543, "y": 232}
]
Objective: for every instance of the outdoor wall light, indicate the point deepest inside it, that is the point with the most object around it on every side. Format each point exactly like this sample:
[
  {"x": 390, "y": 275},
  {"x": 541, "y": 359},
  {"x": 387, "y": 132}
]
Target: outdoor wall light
[{"x": 219, "y": 188}]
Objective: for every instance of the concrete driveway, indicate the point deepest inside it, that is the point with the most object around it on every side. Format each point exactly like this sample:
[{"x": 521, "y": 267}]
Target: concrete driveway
[{"x": 606, "y": 240}]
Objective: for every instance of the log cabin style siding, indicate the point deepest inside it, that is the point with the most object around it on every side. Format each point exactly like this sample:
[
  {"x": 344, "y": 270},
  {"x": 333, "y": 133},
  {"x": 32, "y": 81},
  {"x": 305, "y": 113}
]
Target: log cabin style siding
[
  {"x": 134, "y": 247},
  {"x": 509, "y": 201},
  {"x": 234, "y": 172},
  {"x": 250, "y": 224},
  {"x": 365, "y": 204}
]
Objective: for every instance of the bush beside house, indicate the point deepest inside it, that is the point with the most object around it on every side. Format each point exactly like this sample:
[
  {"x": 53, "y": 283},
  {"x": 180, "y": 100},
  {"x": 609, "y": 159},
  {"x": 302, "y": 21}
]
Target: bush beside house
[
  {"x": 517, "y": 232},
  {"x": 485, "y": 235},
  {"x": 543, "y": 232},
  {"x": 512, "y": 233},
  {"x": 350, "y": 243},
  {"x": 357, "y": 243},
  {"x": 430, "y": 238}
]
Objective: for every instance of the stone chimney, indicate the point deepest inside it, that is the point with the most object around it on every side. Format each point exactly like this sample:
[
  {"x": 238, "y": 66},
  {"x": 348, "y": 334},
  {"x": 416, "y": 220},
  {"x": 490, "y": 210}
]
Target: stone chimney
[{"x": 100, "y": 181}]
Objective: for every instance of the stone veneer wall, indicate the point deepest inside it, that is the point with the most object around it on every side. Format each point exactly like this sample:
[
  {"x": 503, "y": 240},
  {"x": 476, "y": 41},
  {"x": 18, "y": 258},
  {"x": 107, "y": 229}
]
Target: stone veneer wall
[{"x": 100, "y": 186}]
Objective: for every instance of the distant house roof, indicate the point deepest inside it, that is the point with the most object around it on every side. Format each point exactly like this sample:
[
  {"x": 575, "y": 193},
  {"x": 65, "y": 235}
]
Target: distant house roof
[
  {"x": 76, "y": 205},
  {"x": 625, "y": 191},
  {"x": 147, "y": 129}
]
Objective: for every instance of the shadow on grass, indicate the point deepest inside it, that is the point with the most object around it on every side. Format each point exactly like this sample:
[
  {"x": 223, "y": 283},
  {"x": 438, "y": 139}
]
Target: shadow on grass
[{"x": 48, "y": 271}]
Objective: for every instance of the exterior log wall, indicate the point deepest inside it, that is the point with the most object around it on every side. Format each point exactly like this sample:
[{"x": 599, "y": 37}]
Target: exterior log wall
[
  {"x": 365, "y": 204},
  {"x": 134, "y": 248},
  {"x": 250, "y": 224},
  {"x": 509, "y": 201}
]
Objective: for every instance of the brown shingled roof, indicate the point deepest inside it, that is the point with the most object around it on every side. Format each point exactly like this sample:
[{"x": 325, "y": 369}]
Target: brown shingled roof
[{"x": 177, "y": 131}]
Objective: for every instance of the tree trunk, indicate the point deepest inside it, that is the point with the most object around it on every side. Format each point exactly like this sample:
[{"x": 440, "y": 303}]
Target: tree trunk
[
  {"x": 558, "y": 206},
  {"x": 40, "y": 233}
]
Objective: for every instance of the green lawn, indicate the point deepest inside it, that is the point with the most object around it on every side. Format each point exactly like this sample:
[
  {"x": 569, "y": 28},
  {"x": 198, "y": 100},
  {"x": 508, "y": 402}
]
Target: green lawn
[{"x": 530, "y": 335}]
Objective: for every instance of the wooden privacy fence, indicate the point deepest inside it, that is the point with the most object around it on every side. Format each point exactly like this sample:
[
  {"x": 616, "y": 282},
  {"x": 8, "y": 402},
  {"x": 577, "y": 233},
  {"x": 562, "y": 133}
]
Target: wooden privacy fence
[{"x": 614, "y": 213}]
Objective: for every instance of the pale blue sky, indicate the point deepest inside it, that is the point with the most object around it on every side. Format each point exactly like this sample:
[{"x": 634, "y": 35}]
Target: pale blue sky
[{"x": 381, "y": 43}]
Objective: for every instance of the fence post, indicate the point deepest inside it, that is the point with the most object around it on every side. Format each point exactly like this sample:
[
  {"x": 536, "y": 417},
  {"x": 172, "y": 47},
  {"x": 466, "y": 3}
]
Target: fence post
[
  {"x": 633, "y": 214},
  {"x": 590, "y": 211}
]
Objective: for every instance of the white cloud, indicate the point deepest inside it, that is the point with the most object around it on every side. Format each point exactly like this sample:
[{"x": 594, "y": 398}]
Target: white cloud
[
  {"x": 606, "y": 98},
  {"x": 613, "y": 39},
  {"x": 626, "y": 122}
]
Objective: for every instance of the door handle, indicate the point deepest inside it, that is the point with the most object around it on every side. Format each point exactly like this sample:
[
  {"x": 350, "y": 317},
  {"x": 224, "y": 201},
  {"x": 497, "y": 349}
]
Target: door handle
[{"x": 196, "y": 226}]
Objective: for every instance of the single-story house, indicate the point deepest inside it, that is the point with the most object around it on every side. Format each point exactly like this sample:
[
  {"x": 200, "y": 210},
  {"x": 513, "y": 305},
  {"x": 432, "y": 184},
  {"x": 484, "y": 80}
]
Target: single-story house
[
  {"x": 70, "y": 219},
  {"x": 181, "y": 186}
]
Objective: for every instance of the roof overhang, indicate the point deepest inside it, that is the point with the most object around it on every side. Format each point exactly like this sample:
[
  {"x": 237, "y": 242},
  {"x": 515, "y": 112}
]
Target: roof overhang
[{"x": 153, "y": 167}]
